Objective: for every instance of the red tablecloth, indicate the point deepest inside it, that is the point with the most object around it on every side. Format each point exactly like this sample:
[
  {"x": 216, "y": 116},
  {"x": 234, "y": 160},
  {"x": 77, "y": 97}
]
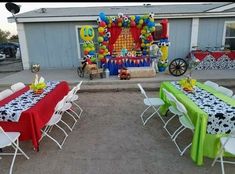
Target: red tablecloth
[
  {"x": 216, "y": 54},
  {"x": 34, "y": 119}
]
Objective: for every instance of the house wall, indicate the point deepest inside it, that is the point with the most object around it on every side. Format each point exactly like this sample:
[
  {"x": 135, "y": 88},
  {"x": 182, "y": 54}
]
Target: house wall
[
  {"x": 179, "y": 37},
  {"x": 53, "y": 45},
  {"x": 211, "y": 31}
]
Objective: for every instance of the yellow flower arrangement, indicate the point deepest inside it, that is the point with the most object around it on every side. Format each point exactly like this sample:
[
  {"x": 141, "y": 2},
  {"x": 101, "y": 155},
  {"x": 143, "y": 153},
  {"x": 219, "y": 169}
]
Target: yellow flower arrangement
[
  {"x": 38, "y": 85},
  {"x": 187, "y": 84}
]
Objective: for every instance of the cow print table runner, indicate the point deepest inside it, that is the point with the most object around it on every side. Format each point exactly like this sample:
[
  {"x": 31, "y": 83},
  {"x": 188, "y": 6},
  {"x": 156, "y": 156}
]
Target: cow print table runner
[
  {"x": 11, "y": 111},
  {"x": 221, "y": 116}
]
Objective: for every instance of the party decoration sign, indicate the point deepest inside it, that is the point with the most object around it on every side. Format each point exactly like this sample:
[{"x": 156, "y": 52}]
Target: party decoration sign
[{"x": 87, "y": 33}]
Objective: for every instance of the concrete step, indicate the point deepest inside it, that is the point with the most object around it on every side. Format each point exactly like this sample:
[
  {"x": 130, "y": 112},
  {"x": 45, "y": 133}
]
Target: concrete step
[{"x": 132, "y": 85}]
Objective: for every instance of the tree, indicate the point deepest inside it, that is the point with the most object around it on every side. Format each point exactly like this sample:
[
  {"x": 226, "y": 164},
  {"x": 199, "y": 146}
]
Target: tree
[
  {"x": 4, "y": 36},
  {"x": 14, "y": 38}
]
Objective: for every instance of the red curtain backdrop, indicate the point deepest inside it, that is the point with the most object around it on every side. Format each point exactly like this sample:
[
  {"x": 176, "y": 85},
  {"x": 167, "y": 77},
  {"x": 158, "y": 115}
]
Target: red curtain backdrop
[
  {"x": 135, "y": 32},
  {"x": 115, "y": 32}
]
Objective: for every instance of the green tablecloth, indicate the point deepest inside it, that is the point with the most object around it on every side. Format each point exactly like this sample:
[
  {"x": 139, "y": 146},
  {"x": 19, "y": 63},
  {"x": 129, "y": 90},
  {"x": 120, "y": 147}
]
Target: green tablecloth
[{"x": 203, "y": 144}]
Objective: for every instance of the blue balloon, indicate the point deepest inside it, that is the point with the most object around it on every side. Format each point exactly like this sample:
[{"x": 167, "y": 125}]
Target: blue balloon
[
  {"x": 91, "y": 53},
  {"x": 102, "y": 16},
  {"x": 106, "y": 38},
  {"x": 152, "y": 24},
  {"x": 146, "y": 20},
  {"x": 137, "y": 18}
]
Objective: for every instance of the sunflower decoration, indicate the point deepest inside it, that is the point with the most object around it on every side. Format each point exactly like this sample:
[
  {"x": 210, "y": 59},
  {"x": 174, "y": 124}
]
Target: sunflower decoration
[
  {"x": 188, "y": 84},
  {"x": 38, "y": 85}
]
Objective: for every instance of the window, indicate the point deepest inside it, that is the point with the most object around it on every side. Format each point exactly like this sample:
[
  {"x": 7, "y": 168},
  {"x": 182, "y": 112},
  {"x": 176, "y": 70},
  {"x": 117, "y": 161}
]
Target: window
[
  {"x": 229, "y": 39},
  {"x": 81, "y": 42}
]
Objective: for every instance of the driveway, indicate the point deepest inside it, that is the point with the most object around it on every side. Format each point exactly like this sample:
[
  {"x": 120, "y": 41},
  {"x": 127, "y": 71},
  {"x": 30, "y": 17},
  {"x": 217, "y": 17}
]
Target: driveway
[{"x": 110, "y": 139}]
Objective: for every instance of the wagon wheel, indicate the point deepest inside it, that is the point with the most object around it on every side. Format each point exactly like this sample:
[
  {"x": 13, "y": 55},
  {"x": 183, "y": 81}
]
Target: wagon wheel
[
  {"x": 178, "y": 67},
  {"x": 80, "y": 72}
]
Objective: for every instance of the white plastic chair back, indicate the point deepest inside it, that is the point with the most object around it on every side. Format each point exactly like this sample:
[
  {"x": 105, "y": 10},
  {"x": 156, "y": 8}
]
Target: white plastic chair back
[
  {"x": 169, "y": 95},
  {"x": 225, "y": 91},
  {"x": 78, "y": 87},
  {"x": 181, "y": 107},
  {"x": 59, "y": 105},
  {"x": 233, "y": 97},
  {"x": 5, "y": 93},
  {"x": 142, "y": 90},
  {"x": 211, "y": 84},
  {"x": 73, "y": 91},
  {"x": 17, "y": 86}
]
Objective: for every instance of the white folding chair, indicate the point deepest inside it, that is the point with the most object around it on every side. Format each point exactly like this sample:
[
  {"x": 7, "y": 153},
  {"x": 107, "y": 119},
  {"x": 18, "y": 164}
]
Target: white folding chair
[
  {"x": 227, "y": 145},
  {"x": 55, "y": 119},
  {"x": 172, "y": 108},
  {"x": 151, "y": 103},
  {"x": 73, "y": 97},
  {"x": 186, "y": 123},
  {"x": 233, "y": 96},
  {"x": 5, "y": 93},
  {"x": 11, "y": 139},
  {"x": 211, "y": 84},
  {"x": 17, "y": 86},
  {"x": 225, "y": 91},
  {"x": 67, "y": 108}
]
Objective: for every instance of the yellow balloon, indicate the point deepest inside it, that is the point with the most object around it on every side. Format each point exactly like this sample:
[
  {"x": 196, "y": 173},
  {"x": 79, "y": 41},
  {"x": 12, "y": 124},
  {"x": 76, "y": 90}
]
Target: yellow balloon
[
  {"x": 133, "y": 18},
  {"x": 87, "y": 33},
  {"x": 101, "y": 29},
  {"x": 143, "y": 31},
  {"x": 164, "y": 50}
]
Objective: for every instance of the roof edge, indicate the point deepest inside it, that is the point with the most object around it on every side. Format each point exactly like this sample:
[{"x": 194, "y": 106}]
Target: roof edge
[
  {"x": 94, "y": 18},
  {"x": 222, "y": 8}
]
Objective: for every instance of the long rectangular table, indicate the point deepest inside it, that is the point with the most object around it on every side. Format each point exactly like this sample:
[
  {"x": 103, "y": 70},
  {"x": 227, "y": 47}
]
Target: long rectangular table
[
  {"x": 32, "y": 120},
  {"x": 203, "y": 143}
]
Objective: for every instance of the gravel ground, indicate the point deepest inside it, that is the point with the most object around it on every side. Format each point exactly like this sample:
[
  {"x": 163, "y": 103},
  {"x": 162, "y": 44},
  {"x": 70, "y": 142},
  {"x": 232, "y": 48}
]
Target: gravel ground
[{"x": 110, "y": 139}]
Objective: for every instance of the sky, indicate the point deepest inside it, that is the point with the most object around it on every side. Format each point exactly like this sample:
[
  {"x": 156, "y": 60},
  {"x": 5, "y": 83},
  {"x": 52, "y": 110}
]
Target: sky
[{"x": 25, "y": 7}]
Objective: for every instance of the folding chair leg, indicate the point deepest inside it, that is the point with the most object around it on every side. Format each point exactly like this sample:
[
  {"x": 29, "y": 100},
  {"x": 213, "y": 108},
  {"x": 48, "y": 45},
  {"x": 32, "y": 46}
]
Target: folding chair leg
[
  {"x": 66, "y": 135},
  {"x": 167, "y": 124},
  {"x": 75, "y": 121},
  {"x": 46, "y": 134},
  {"x": 222, "y": 163},
  {"x": 66, "y": 125},
  {"x": 141, "y": 116},
  {"x": 185, "y": 149},
  {"x": 178, "y": 129},
  {"x": 81, "y": 110},
  {"x": 75, "y": 113},
  {"x": 156, "y": 112},
  {"x": 13, "y": 160}
]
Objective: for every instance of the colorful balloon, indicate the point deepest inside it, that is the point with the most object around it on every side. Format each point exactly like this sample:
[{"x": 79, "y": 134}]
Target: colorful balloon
[{"x": 87, "y": 33}]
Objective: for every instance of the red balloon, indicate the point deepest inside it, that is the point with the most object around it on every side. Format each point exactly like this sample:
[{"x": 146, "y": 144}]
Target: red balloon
[
  {"x": 164, "y": 28},
  {"x": 101, "y": 51},
  {"x": 132, "y": 24},
  {"x": 105, "y": 43},
  {"x": 103, "y": 60},
  {"x": 101, "y": 33},
  {"x": 85, "y": 52},
  {"x": 150, "y": 38},
  {"x": 102, "y": 24},
  {"x": 89, "y": 61},
  {"x": 119, "y": 20}
]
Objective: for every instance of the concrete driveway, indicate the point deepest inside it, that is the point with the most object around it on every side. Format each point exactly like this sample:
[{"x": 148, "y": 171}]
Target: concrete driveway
[{"x": 110, "y": 139}]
